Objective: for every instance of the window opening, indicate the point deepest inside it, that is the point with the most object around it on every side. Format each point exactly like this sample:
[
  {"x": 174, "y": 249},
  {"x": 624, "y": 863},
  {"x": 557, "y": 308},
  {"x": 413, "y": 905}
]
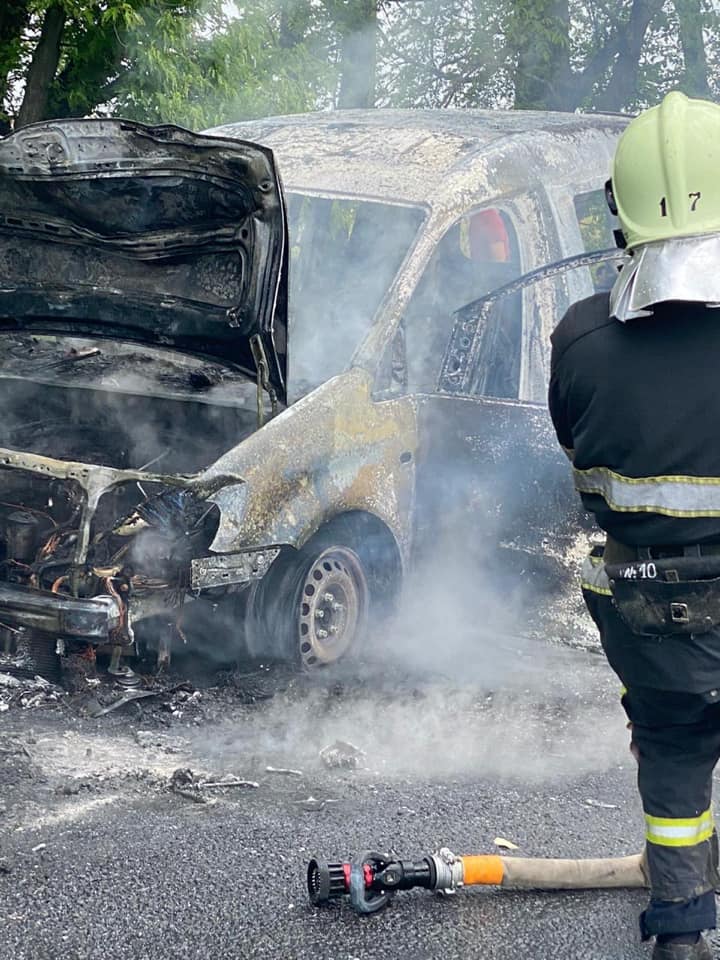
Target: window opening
[
  {"x": 597, "y": 227},
  {"x": 344, "y": 255},
  {"x": 478, "y": 254}
]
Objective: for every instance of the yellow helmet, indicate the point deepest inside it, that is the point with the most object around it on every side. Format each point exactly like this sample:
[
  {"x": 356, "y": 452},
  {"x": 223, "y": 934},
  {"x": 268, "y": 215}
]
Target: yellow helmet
[
  {"x": 665, "y": 175},
  {"x": 665, "y": 191}
]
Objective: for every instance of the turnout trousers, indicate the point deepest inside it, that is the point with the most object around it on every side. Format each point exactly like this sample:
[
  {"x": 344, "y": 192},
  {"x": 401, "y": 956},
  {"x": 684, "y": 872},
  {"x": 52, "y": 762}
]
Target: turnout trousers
[{"x": 676, "y": 741}]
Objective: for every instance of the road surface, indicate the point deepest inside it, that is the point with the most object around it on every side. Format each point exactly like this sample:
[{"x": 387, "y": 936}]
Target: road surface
[{"x": 99, "y": 858}]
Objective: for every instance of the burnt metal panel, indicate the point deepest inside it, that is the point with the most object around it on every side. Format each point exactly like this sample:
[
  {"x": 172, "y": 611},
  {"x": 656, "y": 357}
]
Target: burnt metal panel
[{"x": 110, "y": 228}]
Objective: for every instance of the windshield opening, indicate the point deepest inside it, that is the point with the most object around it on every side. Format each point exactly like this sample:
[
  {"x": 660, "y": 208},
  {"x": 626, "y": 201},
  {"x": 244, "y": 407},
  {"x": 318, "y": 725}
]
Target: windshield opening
[{"x": 344, "y": 255}]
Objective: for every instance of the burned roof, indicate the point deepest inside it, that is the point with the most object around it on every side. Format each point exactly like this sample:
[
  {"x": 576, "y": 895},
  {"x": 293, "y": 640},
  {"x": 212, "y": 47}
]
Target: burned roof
[{"x": 409, "y": 154}]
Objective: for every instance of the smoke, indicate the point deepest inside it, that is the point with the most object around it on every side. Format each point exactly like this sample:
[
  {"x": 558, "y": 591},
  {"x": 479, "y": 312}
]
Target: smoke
[
  {"x": 567, "y": 722},
  {"x": 344, "y": 253},
  {"x": 119, "y": 405},
  {"x": 461, "y": 678},
  {"x": 452, "y": 622},
  {"x": 460, "y": 681}
]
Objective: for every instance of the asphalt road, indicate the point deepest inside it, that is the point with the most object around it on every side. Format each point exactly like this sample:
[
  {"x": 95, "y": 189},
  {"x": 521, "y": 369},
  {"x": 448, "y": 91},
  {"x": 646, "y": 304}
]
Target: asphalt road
[{"x": 130, "y": 869}]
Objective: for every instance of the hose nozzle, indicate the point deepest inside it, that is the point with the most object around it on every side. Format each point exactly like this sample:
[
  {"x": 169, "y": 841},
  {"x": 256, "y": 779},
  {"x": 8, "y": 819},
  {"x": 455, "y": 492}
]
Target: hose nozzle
[
  {"x": 370, "y": 879},
  {"x": 326, "y": 881}
]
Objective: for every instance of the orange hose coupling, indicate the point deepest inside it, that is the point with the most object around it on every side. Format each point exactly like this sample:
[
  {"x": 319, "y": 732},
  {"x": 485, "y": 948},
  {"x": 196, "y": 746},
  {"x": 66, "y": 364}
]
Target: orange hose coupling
[{"x": 488, "y": 870}]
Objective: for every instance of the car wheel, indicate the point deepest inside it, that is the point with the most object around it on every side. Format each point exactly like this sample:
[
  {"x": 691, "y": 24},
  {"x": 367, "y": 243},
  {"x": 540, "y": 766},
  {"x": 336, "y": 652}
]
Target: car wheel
[
  {"x": 329, "y": 608},
  {"x": 311, "y": 608}
]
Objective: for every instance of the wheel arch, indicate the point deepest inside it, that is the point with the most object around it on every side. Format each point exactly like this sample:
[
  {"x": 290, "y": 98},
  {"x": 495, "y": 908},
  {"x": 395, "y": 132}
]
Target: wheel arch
[{"x": 375, "y": 544}]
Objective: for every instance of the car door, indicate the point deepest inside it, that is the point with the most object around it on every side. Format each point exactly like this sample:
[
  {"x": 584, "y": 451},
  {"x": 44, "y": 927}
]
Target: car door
[{"x": 492, "y": 484}]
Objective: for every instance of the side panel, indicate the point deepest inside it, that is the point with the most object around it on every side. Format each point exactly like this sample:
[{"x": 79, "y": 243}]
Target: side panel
[
  {"x": 492, "y": 485},
  {"x": 497, "y": 464},
  {"x": 333, "y": 452},
  {"x": 494, "y": 494}
]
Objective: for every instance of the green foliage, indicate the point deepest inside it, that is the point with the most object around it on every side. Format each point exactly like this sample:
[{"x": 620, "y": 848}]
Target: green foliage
[
  {"x": 443, "y": 54},
  {"x": 202, "y": 62},
  {"x": 192, "y": 62},
  {"x": 551, "y": 54},
  {"x": 211, "y": 68}
]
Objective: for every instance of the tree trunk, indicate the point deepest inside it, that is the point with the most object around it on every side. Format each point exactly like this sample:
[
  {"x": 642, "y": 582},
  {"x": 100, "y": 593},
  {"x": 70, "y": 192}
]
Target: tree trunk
[
  {"x": 358, "y": 28},
  {"x": 42, "y": 69},
  {"x": 621, "y": 91},
  {"x": 695, "y": 77},
  {"x": 538, "y": 35},
  {"x": 293, "y": 21},
  {"x": 14, "y": 16}
]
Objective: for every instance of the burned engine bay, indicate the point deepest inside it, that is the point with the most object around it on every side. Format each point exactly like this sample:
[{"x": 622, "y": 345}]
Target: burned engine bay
[{"x": 98, "y": 444}]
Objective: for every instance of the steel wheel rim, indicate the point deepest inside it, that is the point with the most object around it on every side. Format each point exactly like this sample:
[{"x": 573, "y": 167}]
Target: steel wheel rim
[{"x": 332, "y": 607}]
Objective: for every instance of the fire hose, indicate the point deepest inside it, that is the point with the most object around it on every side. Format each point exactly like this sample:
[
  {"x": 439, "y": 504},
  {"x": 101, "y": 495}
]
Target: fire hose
[{"x": 370, "y": 880}]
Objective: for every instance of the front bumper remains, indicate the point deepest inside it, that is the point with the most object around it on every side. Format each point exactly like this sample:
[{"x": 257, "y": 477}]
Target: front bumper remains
[
  {"x": 90, "y": 619},
  {"x": 223, "y": 569}
]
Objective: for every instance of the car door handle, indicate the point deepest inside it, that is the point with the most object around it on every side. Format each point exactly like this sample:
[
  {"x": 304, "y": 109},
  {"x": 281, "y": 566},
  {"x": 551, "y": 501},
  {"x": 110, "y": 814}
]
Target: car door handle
[{"x": 405, "y": 456}]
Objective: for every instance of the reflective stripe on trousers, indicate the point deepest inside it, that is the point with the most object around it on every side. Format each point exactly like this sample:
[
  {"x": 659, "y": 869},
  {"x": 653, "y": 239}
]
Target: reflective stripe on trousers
[
  {"x": 672, "y": 496},
  {"x": 679, "y": 832}
]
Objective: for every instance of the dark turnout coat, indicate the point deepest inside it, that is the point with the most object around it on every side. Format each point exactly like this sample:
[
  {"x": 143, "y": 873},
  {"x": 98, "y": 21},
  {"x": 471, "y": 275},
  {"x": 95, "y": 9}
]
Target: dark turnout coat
[{"x": 636, "y": 405}]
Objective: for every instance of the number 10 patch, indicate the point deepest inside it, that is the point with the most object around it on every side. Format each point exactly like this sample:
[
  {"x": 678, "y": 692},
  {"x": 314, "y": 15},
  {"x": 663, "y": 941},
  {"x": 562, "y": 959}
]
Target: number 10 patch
[{"x": 639, "y": 571}]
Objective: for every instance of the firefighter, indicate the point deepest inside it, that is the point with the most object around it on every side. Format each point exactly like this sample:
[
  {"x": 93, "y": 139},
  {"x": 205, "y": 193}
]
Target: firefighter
[{"x": 635, "y": 399}]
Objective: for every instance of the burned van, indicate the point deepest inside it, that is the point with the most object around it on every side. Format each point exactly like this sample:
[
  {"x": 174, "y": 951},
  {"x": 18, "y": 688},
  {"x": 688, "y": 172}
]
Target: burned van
[{"x": 237, "y": 412}]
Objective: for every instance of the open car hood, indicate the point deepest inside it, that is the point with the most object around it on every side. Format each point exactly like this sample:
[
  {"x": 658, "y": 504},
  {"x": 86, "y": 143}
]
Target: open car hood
[{"x": 155, "y": 235}]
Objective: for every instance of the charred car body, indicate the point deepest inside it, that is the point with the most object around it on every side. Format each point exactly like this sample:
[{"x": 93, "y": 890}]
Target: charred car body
[{"x": 167, "y": 472}]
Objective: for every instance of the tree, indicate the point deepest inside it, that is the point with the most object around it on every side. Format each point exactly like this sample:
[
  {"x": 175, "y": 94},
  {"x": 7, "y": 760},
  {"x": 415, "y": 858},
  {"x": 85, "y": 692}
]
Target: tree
[
  {"x": 43, "y": 66},
  {"x": 628, "y": 44},
  {"x": 357, "y": 23},
  {"x": 201, "y": 72},
  {"x": 549, "y": 54},
  {"x": 190, "y": 61},
  {"x": 66, "y": 55},
  {"x": 694, "y": 81},
  {"x": 203, "y": 62},
  {"x": 538, "y": 37},
  {"x": 444, "y": 54},
  {"x": 14, "y": 17}
]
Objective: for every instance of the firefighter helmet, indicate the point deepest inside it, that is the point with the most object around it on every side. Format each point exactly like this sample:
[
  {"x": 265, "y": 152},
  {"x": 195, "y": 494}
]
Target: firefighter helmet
[
  {"x": 666, "y": 194},
  {"x": 664, "y": 177}
]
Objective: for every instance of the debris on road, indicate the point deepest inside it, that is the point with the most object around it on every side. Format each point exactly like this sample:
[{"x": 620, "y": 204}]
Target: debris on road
[
  {"x": 342, "y": 754},
  {"x": 184, "y": 783},
  {"x": 187, "y": 784},
  {"x": 599, "y": 803},
  {"x": 284, "y": 771},
  {"x": 152, "y": 740},
  {"x": 12, "y": 748},
  {"x": 130, "y": 696},
  {"x": 27, "y": 692},
  {"x": 70, "y": 788},
  {"x": 312, "y": 804},
  {"x": 256, "y": 685},
  {"x": 233, "y": 782},
  {"x": 183, "y": 777},
  {"x": 505, "y": 844}
]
